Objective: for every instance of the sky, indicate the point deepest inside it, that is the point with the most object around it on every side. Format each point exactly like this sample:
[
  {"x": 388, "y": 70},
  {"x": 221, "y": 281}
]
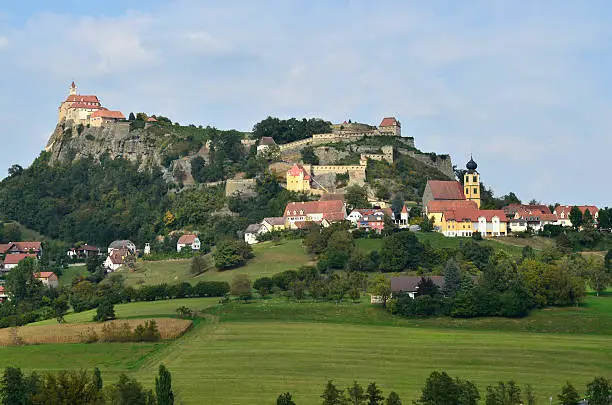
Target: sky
[{"x": 523, "y": 85}]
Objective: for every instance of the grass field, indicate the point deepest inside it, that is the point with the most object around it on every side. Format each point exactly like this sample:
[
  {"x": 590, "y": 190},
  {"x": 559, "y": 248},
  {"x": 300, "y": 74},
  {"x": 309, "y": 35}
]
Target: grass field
[
  {"x": 269, "y": 259},
  {"x": 249, "y": 353}
]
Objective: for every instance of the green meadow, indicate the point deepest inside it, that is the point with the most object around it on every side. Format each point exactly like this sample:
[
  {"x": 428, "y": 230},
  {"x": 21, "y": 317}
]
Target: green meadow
[{"x": 249, "y": 353}]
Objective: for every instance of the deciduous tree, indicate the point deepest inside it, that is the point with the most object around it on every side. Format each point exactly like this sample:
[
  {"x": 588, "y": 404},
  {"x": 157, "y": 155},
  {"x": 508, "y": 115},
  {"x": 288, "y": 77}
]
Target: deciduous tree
[
  {"x": 285, "y": 399},
  {"x": 599, "y": 391}
]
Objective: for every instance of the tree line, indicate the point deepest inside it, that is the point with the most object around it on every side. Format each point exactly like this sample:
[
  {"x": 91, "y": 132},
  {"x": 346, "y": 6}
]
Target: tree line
[
  {"x": 442, "y": 389},
  {"x": 79, "y": 387}
]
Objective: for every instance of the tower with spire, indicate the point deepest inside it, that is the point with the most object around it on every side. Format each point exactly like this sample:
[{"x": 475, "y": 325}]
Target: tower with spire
[{"x": 471, "y": 182}]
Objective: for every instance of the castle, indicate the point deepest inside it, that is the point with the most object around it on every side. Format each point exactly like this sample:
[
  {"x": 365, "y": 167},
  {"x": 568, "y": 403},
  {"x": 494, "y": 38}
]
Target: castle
[{"x": 86, "y": 110}]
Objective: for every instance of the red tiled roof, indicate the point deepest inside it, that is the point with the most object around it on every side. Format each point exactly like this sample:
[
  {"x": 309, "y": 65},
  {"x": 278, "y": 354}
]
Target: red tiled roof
[
  {"x": 473, "y": 215},
  {"x": 89, "y": 248},
  {"x": 151, "y": 119},
  {"x": 118, "y": 256},
  {"x": 267, "y": 140},
  {"x": 187, "y": 239},
  {"x": 15, "y": 258},
  {"x": 388, "y": 121},
  {"x": 45, "y": 274},
  {"x": 447, "y": 205},
  {"x": 296, "y": 170},
  {"x": 108, "y": 114},
  {"x": 446, "y": 190},
  {"x": 540, "y": 208},
  {"x": 1, "y": 289},
  {"x": 404, "y": 209},
  {"x": 275, "y": 220},
  {"x": 5, "y": 247},
  {"x": 567, "y": 208},
  {"x": 331, "y": 210},
  {"x": 25, "y": 246},
  {"x": 75, "y": 98},
  {"x": 332, "y": 196}
]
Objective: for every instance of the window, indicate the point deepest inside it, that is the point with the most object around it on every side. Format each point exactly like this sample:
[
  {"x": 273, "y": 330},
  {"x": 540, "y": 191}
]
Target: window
[
  {"x": 467, "y": 190},
  {"x": 475, "y": 190}
]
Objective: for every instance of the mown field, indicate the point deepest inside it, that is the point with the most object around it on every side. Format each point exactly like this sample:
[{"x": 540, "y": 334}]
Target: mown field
[{"x": 249, "y": 353}]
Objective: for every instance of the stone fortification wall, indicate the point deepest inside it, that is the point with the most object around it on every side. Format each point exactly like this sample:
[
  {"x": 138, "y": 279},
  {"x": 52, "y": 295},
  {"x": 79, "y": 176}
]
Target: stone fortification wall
[
  {"x": 317, "y": 170},
  {"x": 442, "y": 163},
  {"x": 245, "y": 187},
  {"x": 341, "y": 136},
  {"x": 295, "y": 145}
]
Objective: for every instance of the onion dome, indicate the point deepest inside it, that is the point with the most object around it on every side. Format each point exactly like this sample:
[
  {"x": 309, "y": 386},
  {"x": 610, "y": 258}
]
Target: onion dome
[{"x": 471, "y": 165}]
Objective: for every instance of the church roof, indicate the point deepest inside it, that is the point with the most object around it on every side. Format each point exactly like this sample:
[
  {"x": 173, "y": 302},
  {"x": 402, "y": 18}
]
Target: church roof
[
  {"x": 446, "y": 190},
  {"x": 448, "y": 205}
]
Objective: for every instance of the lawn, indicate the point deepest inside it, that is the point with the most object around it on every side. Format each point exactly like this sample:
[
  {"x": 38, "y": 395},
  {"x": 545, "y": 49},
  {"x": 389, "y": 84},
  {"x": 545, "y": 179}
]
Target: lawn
[
  {"x": 140, "y": 309},
  {"x": 269, "y": 259},
  {"x": 249, "y": 353},
  {"x": 70, "y": 273}
]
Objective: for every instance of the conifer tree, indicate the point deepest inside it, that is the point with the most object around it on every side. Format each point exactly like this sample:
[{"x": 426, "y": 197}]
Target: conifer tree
[
  {"x": 568, "y": 395},
  {"x": 285, "y": 399},
  {"x": 163, "y": 387},
  {"x": 97, "y": 378},
  {"x": 393, "y": 399},
  {"x": 374, "y": 394},
  {"x": 331, "y": 395},
  {"x": 452, "y": 278}
]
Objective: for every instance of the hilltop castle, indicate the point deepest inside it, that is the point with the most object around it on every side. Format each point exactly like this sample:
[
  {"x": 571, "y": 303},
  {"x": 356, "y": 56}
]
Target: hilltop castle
[{"x": 86, "y": 110}]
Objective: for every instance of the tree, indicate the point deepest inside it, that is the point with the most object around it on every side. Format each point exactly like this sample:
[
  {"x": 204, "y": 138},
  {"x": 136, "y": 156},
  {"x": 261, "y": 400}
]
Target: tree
[
  {"x": 608, "y": 261},
  {"x": 105, "y": 311},
  {"x": 599, "y": 278},
  {"x": 309, "y": 156},
  {"x": 441, "y": 389},
  {"x": 198, "y": 264},
  {"x": 21, "y": 283},
  {"x": 401, "y": 251},
  {"x": 599, "y": 391},
  {"x": 15, "y": 170},
  {"x": 128, "y": 391},
  {"x": 382, "y": 288},
  {"x": 263, "y": 286},
  {"x": 331, "y": 395},
  {"x": 393, "y": 399},
  {"x": 97, "y": 378},
  {"x": 163, "y": 387},
  {"x": 13, "y": 388},
  {"x": 568, "y": 395},
  {"x": 587, "y": 220},
  {"x": 427, "y": 224},
  {"x": 504, "y": 394},
  {"x": 427, "y": 287},
  {"x": 355, "y": 394},
  {"x": 374, "y": 395},
  {"x": 604, "y": 218},
  {"x": 356, "y": 197},
  {"x": 60, "y": 308},
  {"x": 232, "y": 253},
  {"x": 12, "y": 232},
  {"x": 575, "y": 217},
  {"x": 132, "y": 117},
  {"x": 530, "y": 395},
  {"x": 241, "y": 286},
  {"x": 285, "y": 399},
  {"x": 452, "y": 278}
]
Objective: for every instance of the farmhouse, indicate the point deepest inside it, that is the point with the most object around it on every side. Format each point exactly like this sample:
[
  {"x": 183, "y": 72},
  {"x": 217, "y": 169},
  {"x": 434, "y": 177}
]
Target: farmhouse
[
  {"x": 116, "y": 259},
  {"x": 410, "y": 284},
  {"x": 48, "y": 278},
  {"x": 83, "y": 251},
  {"x": 358, "y": 213},
  {"x": 314, "y": 211},
  {"x": 563, "y": 212},
  {"x": 252, "y": 231},
  {"x": 189, "y": 240},
  {"x": 274, "y": 223},
  {"x": 12, "y": 260}
]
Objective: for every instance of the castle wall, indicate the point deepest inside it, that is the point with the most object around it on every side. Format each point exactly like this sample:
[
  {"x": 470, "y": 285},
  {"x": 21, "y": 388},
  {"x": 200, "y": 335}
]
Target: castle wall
[{"x": 337, "y": 169}]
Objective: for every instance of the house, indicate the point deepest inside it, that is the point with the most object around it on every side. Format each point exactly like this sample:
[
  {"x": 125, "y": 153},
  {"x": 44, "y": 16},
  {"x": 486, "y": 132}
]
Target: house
[
  {"x": 314, "y": 211},
  {"x": 274, "y": 223},
  {"x": 534, "y": 220},
  {"x": 512, "y": 209},
  {"x": 372, "y": 222},
  {"x": 122, "y": 245},
  {"x": 83, "y": 252},
  {"x": 298, "y": 178},
  {"x": 265, "y": 143},
  {"x": 434, "y": 209},
  {"x": 48, "y": 278},
  {"x": 100, "y": 118},
  {"x": 563, "y": 213},
  {"x": 466, "y": 222},
  {"x": 5, "y": 248},
  {"x": 12, "y": 260},
  {"x": 390, "y": 126},
  {"x": 518, "y": 225},
  {"x": 252, "y": 231},
  {"x": 188, "y": 240},
  {"x": 358, "y": 213},
  {"x": 3, "y": 295},
  {"x": 410, "y": 284},
  {"x": 116, "y": 259},
  {"x": 27, "y": 247}
]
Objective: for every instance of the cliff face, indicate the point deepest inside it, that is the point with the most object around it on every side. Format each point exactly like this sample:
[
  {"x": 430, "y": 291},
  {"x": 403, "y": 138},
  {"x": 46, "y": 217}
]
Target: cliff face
[{"x": 116, "y": 140}]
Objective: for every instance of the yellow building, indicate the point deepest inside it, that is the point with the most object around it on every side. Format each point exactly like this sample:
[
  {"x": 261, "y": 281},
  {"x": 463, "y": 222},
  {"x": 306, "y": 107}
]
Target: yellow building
[
  {"x": 435, "y": 209},
  {"x": 471, "y": 182},
  {"x": 298, "y": 179},
  {"x": 464, "y": 222}
]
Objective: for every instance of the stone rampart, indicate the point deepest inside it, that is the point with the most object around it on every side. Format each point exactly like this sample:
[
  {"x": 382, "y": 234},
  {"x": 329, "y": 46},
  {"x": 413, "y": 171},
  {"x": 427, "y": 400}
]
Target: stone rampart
[{"x": 337, "y": 169}]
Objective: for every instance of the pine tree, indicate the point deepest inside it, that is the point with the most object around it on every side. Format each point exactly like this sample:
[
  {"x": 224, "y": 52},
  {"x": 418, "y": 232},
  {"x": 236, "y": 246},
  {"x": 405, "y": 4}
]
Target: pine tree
[
  {"x": 393, "y": 399},
  {"x": 163, "y": 387},
  {"x": 13, "y": 389},
  {"x": 374, "y": 394},
  {"x": 452, "y": 278},
  {"x": 568, "y": 395},
  {"x": 355, "y": 394},
  {"x": 331, "y": 395},
  {"x": 285, "y": 399}
]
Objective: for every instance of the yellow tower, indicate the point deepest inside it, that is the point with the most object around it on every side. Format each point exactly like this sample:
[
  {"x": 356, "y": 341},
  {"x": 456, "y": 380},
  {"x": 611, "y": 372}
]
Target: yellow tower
[{"x": 471, "y": 182}]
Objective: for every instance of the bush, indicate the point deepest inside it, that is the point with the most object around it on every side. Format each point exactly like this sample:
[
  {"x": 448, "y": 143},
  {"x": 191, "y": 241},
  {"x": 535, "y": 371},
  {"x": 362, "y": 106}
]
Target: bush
[{"x": 147, "y": 332}]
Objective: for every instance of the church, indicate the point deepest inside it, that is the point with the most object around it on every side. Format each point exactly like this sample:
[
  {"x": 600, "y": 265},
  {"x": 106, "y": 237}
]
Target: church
[{"x": 454, "y": 208}]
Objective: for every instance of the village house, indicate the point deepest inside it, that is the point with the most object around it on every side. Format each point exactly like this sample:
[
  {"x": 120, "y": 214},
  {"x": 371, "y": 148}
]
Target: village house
[
  {"x": 116, "y": 259},
  {"x": 466, "y": 222},
  {"x": 563, "y": 213},
  {"x": 83, "y": 252},
  {"x": 13, "y": 259},
  {"x": 48, "y": 278},
  {"x": 274, "y": 223},
  {"x": 512, "y": 209},
  {"x": 252, "y": 231},
  {"x": 436, "y": 208},
  {"x": 372, "y": 222},
  {"x": 122, "y": 245},
  {"x": 358, "y": 213},
  {"x": 21, "y": 247},
  {"x": 319, "y": 212},
  {"x": 188, "y": 240},
  {"x": 410, "y": 284}
]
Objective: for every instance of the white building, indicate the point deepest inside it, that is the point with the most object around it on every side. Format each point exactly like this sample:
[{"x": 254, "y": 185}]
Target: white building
[
  {"x": 188, "y": 240},
  {"x": 253, "y": 231}
]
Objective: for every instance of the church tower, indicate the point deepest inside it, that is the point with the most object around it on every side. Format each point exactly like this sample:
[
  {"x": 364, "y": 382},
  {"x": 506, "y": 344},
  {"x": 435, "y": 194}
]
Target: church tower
[
  {"x": 73, "y": 89},
  {"x": 471, "y": 182}
]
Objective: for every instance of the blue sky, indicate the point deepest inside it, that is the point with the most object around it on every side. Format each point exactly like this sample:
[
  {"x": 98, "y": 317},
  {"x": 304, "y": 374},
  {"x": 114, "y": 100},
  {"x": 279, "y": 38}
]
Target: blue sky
[{"x": 524, "y": 85}]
